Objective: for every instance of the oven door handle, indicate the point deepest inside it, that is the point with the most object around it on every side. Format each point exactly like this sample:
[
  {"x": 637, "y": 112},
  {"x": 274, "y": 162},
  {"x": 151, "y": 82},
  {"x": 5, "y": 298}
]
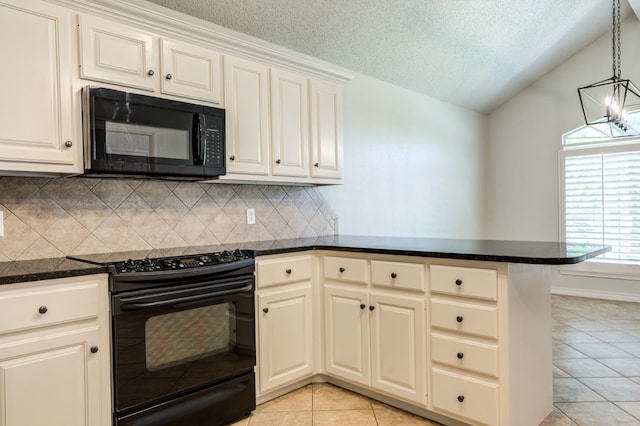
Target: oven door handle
[{"x": 196, "y": 298}]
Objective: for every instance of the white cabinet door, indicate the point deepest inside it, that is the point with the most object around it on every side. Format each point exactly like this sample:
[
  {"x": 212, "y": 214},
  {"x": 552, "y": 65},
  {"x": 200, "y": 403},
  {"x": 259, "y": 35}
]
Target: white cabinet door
[
  {"x": 285, "y": 333},
  {"x": 117, "y": 53},
  {"x": 54, "y": 380},
  {"x": 326, "y": 130},
  {"x": 397, "y": 345},
  {"x": 346, "y": 323},
  {"x": 191, "y": 71},
  {"x": 289, "y": 124},
  {"x": 37, "y": 119},
  {"x": 247, "y": 106}
]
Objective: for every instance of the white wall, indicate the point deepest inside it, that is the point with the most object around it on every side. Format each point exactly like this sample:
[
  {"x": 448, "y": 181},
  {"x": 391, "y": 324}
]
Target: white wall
[
  {"x": 524, "y": 138},
  {"x": 414, "y": 166}
]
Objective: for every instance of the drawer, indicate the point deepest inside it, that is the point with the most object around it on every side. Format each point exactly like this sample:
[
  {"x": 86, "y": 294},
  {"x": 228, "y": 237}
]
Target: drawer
[
  {"x": 465, "y": 317},
  {"x": 283, "y": 270},
  {"x": 345, "y": 269},
  {"x": 460, "y": 353},
  {"x": 471, "y": 282},
  {"x": 397, "y": 274},
  {"x": 48, "y": 303},
  {"x": 465, "y": 396}
]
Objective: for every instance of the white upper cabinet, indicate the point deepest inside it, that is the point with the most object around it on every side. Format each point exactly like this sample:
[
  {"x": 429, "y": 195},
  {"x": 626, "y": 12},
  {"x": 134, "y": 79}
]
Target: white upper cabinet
[
  {"x": 326, "y": 130},
  {"x": 289, "y": 124},
  {"x": 190, "y": 70},
  {"x": 114, "y": 53},
  {"x": 247, "y": 105},
  {"x": 38, "y": 132}
]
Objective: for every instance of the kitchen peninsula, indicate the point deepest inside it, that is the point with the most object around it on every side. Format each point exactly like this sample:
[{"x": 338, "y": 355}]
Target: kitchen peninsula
[{"x": 455, "y": 330}]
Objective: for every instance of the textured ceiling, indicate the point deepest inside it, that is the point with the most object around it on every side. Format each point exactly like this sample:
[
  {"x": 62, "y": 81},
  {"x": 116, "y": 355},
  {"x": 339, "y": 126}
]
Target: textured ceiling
[{"x": 472, "y": 53}]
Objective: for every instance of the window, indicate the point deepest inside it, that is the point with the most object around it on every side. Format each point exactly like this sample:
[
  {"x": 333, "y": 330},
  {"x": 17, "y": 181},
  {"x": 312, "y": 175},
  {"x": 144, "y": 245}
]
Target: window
[{"x": 600, "y": 192}]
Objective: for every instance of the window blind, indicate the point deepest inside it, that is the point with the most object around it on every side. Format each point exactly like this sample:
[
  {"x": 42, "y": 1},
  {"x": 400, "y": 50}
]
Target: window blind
[{"x": 602, "y": 202}]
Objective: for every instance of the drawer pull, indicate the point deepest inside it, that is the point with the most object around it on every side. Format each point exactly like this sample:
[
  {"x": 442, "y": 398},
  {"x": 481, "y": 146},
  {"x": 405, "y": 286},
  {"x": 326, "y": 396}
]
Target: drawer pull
[
  {"x": 394, "y": 275},
  {"x": 460, "y": 398},
  {"x": 288, "y": 271},
  {"x": 458, "y": 282},
  {"x": 265, "y": 310},
  {"x": 459, "y": 318},
  {"x": 43, "y": 309},
  {"x": 362, "y": 306},
  {"x": 460, "y": 355},
  {"x": 94, "y": 349},
  {"x": 342, "y": 270}
]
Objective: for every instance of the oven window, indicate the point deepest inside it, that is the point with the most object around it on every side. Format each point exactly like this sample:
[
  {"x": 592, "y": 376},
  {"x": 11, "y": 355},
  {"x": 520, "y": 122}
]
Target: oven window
[{"x": 187, "y": 335}]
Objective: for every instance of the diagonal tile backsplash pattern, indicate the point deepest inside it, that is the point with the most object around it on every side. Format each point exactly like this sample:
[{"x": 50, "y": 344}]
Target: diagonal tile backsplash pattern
[{"x": 58, "y": 217}]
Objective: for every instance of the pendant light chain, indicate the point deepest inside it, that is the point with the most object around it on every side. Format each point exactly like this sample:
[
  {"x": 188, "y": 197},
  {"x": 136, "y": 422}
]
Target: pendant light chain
[{"x": 617, "y": 50}]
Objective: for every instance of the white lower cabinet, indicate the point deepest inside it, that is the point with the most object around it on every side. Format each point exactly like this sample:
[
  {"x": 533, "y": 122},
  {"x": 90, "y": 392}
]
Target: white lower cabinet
[
  {"x": 373, "y": 337},
  {"x": 467, "y": 340},
  {"x": 54, "y": 353},
  {"x": 284, "y": 312}
]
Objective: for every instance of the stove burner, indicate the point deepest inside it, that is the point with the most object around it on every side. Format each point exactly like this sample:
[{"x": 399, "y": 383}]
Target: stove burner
[{"x": 181, "y": 262}]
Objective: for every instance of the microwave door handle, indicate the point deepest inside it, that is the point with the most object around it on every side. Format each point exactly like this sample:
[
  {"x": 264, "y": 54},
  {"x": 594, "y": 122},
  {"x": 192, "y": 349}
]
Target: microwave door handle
[
  {"x": 148, "y": 305},
  {"x": 198, "y": 139}
]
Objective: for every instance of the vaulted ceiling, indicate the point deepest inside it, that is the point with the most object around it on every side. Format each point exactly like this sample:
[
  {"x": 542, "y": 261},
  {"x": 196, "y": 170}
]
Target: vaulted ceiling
[{"x": 471, "y": 53}]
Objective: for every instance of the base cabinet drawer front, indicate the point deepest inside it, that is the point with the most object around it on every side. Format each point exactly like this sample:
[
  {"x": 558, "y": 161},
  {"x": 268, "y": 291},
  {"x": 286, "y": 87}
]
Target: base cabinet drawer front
[
  {"x": 470, "y": 282},
  {"x": 465, "y": 354},
  {"x": 345, "y": 269},
  {"x": 25, "y": 308},
  {"x": 283, "y": 271},
  {"x": 465, "y": 396},
  {"x": 397, "y": 274},
  {"x": 465, "y": 317}
]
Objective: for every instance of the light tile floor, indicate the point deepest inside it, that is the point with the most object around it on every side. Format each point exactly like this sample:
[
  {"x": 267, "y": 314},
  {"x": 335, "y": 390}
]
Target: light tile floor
[{"x": 596, "y": 358}]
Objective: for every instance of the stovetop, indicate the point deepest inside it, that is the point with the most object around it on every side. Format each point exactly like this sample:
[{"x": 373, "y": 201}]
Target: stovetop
[{"x": 149, "y": 264}]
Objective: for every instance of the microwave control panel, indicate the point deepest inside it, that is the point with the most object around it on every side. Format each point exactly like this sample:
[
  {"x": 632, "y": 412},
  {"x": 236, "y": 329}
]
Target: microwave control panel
[{"x": 214, "y": 146}]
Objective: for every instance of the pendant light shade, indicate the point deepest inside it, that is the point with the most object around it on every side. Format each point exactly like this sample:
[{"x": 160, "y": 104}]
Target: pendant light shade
[{"x": 607, "y": 103}]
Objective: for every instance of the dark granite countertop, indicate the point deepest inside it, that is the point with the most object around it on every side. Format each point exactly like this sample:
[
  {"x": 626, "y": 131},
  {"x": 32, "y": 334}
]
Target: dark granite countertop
[
  {"x": 44, "y": 269},
  {"x": 533, "y": 252}
]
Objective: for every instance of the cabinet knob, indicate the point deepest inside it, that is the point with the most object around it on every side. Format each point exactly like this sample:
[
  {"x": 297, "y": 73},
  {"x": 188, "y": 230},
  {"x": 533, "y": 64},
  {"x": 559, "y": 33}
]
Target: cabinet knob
[
  {"x": 232, "y": 158},
  {"x": 94, "y": 349},
  {"x": 43, "y": 309},
  {"x": 265, "y": 310},
  {"x": 341, "y": 269},
  {"x": 459, "y": 318},
  {"x": 288, "y": 271},
  {"x": 394, "y": 275},
  {"x": 278, "y": 161},
  {"x": 316, "y": 165},
  {"x": 460, "y": 355},
  {"x": 460, "y": 398},
  {"x": 371, "y": 308},
  {"x": 68, "y": 144},
  {"x": 362, "y": 306},
  {"x": 150, "y": 72},
  {"x": 168, "y": 76},
  {"x": 458, "y": 282}
]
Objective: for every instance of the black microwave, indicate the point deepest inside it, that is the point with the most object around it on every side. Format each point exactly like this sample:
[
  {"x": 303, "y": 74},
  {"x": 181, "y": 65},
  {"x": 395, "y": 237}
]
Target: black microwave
[{"x": 132, "y": 134}]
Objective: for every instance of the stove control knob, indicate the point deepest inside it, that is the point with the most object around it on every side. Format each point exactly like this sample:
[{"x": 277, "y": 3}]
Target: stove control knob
[
  {"x": 237, "y": 253},
  {"x": 129, "y": 266},
  {"x": 226, "y": 256},
  {"x": 148, "y": 263}
]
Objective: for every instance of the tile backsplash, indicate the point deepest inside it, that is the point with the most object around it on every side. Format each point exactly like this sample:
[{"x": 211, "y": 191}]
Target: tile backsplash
[{"x": 58, "y": 217}]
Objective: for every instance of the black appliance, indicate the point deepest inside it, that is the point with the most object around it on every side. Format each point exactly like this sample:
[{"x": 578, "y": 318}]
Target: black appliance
[
  {"x": 131, "y": 134},
  {"x": 183, "y": 337}
]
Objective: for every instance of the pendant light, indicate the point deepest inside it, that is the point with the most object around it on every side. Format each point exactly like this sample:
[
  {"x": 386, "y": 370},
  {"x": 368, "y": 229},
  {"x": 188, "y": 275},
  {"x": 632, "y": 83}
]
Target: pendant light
[{"x": 607, "y": 103}]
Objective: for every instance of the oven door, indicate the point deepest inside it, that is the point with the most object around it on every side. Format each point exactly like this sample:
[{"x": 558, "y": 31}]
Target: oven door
[{"x": 180, "y": 338}]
